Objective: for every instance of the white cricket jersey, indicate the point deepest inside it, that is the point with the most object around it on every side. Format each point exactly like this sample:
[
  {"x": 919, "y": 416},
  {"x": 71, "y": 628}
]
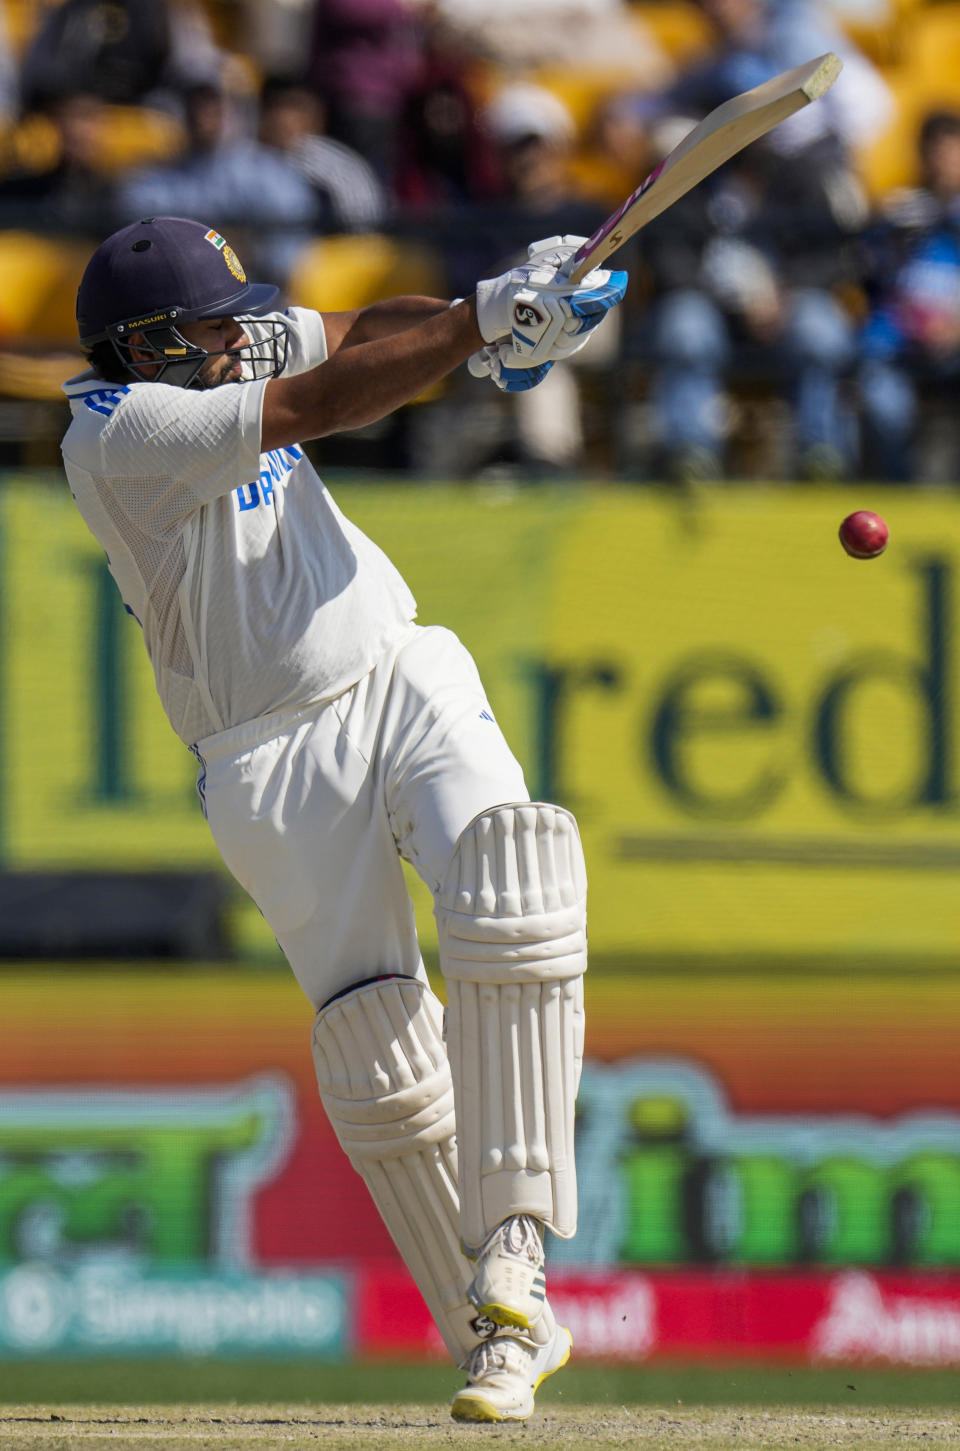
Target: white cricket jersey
[{"x": 253, "y": 591}]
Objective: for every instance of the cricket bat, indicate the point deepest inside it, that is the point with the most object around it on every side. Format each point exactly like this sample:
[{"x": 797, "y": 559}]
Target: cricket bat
[{"x": 713, "y": 141}]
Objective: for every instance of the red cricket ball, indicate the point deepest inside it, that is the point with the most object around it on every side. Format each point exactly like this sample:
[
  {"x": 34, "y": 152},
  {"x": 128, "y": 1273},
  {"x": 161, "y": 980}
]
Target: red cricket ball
[{"x": 864, "y": 535}]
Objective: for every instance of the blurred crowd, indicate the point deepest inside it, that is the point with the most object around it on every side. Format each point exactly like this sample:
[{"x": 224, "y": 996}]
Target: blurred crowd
[{"x": 795, "y": 316}]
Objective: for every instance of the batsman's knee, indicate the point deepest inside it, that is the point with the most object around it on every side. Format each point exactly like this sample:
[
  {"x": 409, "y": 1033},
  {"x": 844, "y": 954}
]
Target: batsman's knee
[
  {"x": 382, "y": 1068},
  {"x": 512, "y": 905}
]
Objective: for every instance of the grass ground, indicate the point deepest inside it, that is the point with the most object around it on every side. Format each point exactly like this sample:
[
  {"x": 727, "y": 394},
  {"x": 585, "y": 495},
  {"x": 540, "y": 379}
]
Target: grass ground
[
  {"x": 307, "y": 1381},
  {"x": 250, "y": 1405}
]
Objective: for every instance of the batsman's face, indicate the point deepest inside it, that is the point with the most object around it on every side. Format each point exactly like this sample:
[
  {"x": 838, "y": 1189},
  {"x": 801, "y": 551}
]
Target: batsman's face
[{"x": 217, "y": 335}]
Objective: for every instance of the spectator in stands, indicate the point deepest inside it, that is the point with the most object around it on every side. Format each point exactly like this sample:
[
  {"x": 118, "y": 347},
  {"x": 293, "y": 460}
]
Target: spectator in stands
[
  {"x": 520, "y": 35},
  {"x": 537, "y": 433},
  {"x": 444, "y": 155},
  {"x": 349, "y": 195},
  {"x": 124, "y": 51},
  {"x": 235, "y": 181},
  {"x": 117, "y": 51},
  {"x": 195, "y": 56},
  {"x": 744, "y": 273},
  {"x": 74, "y": 194},
  {"x": 9, "y": 74},
  {"x": 748, "y": 273},
  {"x": 364, "y": 61},
  {"x": 277, "y": 32},
  {"x": 911, "y": 339},
  {"x": 534, "y": 138},
  {"x": 617, "y": 152},
  {"x": 756, "y": 39}
]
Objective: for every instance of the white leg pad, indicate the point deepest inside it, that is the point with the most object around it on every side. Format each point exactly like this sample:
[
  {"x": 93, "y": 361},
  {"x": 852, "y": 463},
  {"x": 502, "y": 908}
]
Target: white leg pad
[
  {"x": 511, "y": 917},
  {"x": 385, "y": 1084}
]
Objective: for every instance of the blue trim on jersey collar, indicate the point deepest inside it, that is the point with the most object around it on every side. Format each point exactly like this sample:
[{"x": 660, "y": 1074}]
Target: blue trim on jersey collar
[{"x": 103, "y": 400}]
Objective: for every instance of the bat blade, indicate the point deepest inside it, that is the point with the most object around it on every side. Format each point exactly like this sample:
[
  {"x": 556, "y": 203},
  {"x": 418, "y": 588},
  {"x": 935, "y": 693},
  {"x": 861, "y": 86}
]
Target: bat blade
[{"x": 714, "y": 140}]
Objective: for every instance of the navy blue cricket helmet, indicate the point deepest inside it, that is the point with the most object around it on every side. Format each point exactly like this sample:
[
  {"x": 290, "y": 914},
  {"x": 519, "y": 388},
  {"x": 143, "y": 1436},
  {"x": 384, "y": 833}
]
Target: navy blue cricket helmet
[{"x": 154, "y": 275}]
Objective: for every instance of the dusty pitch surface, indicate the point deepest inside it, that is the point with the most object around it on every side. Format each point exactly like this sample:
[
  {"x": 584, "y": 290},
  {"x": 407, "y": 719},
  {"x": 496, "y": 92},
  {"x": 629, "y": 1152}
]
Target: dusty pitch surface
[{"x": 422, "y": 1428}]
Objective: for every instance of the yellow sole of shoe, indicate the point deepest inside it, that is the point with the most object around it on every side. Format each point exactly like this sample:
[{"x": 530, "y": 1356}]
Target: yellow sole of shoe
[
  {"x": 503, "y": 1315},
  {"x": 470, "y": 1408},
  {"x": 560, "y": 1363},
  {"x": 467, "y": 1407}
]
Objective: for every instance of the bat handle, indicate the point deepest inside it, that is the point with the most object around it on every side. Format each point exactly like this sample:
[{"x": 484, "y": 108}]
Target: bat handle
[{"x": 567, "y": 268}]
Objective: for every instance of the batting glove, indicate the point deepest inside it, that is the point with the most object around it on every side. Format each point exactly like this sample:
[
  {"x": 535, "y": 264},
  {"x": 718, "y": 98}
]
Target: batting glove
[
  {"x": 498, "y": 360},
  {"x": 546, "y": 316},
  {"x": 554, "y": 251},
  {"x": 495, "y": 302}
]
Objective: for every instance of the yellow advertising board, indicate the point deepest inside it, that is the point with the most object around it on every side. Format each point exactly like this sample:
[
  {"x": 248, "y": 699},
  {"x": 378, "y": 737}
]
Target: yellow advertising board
[{"x": 757, "y": 733}]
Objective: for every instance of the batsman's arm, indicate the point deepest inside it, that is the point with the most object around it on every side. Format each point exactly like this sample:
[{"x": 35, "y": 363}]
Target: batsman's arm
[
  {"x": 387, "y": 354},
  {"x": 379, "y": 320},
  {"x": 382, "y": 358}
]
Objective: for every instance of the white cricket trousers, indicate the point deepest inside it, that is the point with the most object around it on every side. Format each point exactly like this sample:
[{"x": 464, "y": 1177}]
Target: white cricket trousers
[{"x": 313, "y": 808}]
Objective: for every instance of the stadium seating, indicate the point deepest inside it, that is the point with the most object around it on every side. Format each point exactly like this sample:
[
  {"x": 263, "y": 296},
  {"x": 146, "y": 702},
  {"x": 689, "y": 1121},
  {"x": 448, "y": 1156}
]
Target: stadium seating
[
  {"x": 930, "y": 47},
  {"x": 336, "y": 274},
  {"x": 927, "y": 76},
  {"x": 340, "y": 273},
  {"x": 876, "y": 29},
  {"x": 678, "y": 25},
  {"x": 20, "y": 18},
  {"x": 38, "y": 300},
  {"x": 138, "y": 136}
]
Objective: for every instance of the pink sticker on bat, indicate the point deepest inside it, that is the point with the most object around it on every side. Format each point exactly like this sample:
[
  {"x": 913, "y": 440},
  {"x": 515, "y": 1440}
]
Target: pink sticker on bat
[{"x": 611, "y": 223}]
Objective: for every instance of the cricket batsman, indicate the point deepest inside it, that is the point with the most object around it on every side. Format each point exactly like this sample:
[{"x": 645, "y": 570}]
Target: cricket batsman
[{"x": 334, "y": 736}]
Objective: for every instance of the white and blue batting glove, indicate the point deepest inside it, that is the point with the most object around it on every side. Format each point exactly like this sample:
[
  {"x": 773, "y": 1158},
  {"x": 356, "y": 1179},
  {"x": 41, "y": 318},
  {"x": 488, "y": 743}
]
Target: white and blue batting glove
[
  {"x": 584, "y": 305},
  {"x": 545, "y": 315},
  {"x": 554, "y": 251},
  {"x": 496, "y": 361}
]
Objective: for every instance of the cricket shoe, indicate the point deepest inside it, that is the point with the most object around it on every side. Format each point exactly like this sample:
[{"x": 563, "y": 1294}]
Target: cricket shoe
[
  {"x": 503, "y": 1375},
  {"x": 509, "y": 1286}
]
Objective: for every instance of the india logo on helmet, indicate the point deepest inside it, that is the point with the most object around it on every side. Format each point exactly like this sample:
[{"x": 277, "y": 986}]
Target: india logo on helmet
[{"x": 229, "y": 255}]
